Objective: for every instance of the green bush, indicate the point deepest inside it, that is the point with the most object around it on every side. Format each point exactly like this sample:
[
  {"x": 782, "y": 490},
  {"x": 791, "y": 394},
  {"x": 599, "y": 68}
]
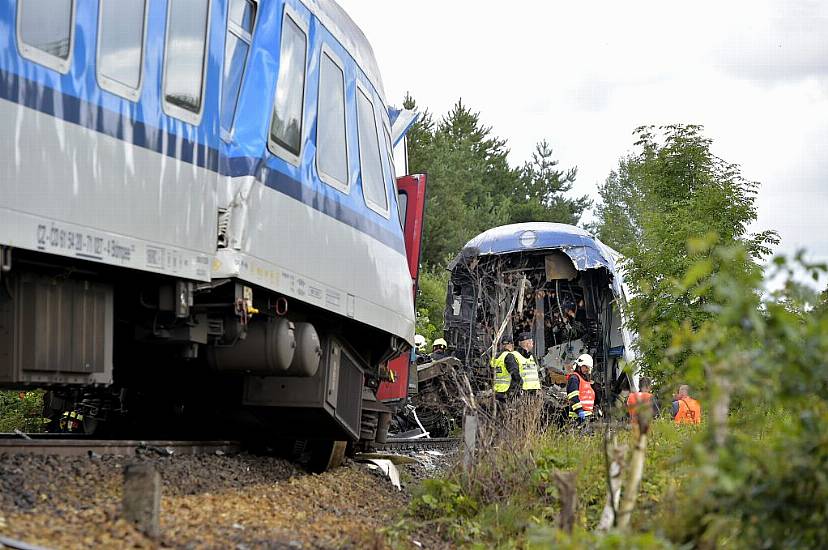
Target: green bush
[
  {"x": 21, "y": 411},
  {"x": 431, "y": 303},
  {"x": 754, "y": 474},
  {"x": 761, "y": 461},
  {"x": 510, "y": 499},
  {"x": 437, "y": 498}
]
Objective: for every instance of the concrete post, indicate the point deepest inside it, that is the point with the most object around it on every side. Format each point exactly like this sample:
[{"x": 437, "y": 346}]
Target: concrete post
[
  {"x": 469, "y": 439},
  {"x": 142, "y": 498}
]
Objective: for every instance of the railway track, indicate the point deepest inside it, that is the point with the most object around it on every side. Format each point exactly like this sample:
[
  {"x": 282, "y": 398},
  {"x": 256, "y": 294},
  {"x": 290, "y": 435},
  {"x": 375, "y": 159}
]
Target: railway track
[
  {"x": 61, "y": 445},
  {"x": 66, "y": 445},
  {"x": 424, "y": 444}
]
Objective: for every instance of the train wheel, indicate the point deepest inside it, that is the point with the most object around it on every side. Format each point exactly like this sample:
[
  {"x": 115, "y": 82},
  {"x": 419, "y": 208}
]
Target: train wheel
[{"x": 325, "y": 454}]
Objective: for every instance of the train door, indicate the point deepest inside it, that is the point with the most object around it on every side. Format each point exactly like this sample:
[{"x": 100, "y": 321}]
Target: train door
[{"x": 411, "y": 201}]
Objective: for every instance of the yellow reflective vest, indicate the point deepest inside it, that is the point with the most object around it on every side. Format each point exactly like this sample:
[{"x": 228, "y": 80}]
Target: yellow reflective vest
[
  {"x": 502, "y": 378},
  {"x": 528, "y": 372}
]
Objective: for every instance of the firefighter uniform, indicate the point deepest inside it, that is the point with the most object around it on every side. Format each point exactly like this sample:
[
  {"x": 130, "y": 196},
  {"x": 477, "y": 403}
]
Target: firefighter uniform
[{"x": 581, "y": 396}]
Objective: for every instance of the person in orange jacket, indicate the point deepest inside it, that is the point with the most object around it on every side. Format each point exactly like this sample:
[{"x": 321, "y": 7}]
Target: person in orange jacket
[
  {"x": 639, "y": 400},
  {"x": 686, "y": 410},
  {"x": 579, "y": 390}
]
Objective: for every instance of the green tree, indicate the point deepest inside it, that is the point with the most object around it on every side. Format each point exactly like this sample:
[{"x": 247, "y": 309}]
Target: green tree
[
  {"x": 431, "y": 302},
  {"x": 419, "y": 137},
  {"x": 617, "y": 215},
  {"x": 472, "y": 187},
  {"x": 674, "y": 190},
  {"x": 467, "y": 167},
  {"x": 539, "y": 193}
]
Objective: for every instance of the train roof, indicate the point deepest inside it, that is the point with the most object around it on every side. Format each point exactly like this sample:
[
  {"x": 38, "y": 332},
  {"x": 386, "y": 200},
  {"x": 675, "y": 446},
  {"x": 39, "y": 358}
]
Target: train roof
[
  {"x": 343, "y": 28},
  {"x": 585, "y": 251}
]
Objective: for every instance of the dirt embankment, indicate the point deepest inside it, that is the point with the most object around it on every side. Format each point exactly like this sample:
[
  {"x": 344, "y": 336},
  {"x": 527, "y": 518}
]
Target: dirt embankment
[{"x": 241, "y": 501}]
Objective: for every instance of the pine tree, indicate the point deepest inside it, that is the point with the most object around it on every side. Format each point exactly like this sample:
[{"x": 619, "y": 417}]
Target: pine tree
[{"x": 540, "y": 191}]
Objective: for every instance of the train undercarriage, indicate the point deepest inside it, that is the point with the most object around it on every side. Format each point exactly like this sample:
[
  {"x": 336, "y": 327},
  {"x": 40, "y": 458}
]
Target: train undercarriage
[{"x": 129, "y": 353}]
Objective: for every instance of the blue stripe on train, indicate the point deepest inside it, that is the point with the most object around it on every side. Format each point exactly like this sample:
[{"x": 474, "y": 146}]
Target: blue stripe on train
[{"x": 42, "y": 98}]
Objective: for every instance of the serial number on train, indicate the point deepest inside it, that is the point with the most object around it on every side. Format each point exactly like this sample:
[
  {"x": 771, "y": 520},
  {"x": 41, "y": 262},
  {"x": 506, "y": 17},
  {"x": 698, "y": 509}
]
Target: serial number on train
[{"x": 82, "y": 244}]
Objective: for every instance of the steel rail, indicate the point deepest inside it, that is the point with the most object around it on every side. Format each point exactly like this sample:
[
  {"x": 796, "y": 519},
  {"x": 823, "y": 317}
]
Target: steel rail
[
  {"x": 80, "y": 446},
  {"x": 422, "y": 444}
]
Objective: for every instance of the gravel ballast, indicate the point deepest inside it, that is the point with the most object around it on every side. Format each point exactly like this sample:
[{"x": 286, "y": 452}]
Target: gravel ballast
[{"x": 208, "y": 501}]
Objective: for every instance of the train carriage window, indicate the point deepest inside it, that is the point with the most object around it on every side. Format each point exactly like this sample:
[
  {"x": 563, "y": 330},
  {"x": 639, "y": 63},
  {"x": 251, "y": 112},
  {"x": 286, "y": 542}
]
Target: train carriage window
[
  {"x": 45, "y": 31},
  {"x": 120, "y": 46},
  {"x": 373, "y": 185},
  {"x": 402, "y": 207},
  {"x": 241, "y": 20},
  {"x": 243, "y": 14},
  {"x": 388, "y": 157},
  {"x": 331, "y": 144},
  {"x": 286, "y": 123},
  {"x": 185, "y": 58}
]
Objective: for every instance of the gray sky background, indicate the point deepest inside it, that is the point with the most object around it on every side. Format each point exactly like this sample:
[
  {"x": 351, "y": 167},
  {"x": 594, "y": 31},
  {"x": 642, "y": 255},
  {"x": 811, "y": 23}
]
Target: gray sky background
[{"x": 584, "y": 74}]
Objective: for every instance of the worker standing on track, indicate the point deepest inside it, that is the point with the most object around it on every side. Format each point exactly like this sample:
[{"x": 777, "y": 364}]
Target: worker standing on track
[
  {"x": 686, "y": 410},
  {"x": 529, "y": 373},
  {"x": 507, "y": 380},
  {"x": 579, "y": 390}
]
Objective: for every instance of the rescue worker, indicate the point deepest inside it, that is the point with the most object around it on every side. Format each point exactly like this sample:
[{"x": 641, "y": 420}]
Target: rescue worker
[
  {"x": 686, "y": 410},
  {"x": 579, "y": 390},
  {"x": 419, "y": 356},
  {"x": 529, "y": 373},
  {"x": 438, "y": 349},
  {"x": 507, "y": 380},
  {"x": 640, "y": 400}
]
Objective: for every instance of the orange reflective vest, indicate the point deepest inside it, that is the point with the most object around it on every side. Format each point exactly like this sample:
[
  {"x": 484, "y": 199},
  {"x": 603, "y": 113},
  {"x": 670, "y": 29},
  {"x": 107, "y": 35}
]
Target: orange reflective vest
[
  {"x": 586, "y": 395},
  {"x": 636, "y": 401},
  {"x": 689, "y": 411}
]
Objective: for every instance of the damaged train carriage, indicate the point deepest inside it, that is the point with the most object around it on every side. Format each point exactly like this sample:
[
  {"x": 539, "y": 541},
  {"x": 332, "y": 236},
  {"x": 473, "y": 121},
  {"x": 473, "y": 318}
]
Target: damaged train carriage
[{"x": 553, "y": 280}]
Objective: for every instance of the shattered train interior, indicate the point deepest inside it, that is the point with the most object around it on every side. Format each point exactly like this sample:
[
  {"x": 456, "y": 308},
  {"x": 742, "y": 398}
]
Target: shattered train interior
[{"x": 554, "y": 281}]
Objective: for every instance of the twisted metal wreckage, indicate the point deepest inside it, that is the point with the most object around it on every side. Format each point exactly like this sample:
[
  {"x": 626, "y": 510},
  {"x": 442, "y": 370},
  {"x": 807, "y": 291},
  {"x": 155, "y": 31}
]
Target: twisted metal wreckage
[{"x": 555, "y": 281}]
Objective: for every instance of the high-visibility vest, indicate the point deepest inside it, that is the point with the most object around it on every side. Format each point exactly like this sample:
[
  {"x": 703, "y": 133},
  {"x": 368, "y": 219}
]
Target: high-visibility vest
[
  {"x": 636, "y": 401},
  {"x": 528, "y": 371},
  {"x": 585, "y": 393},
  {"x": 689, "y": 411},
  {"x": 502, "y": 378}
]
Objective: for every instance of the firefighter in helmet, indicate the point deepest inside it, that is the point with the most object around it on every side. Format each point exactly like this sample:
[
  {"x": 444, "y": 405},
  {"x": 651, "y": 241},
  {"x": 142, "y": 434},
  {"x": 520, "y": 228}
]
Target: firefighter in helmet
[
  {"x": 579, "y": 390},
  {"x": 419, "y": 355},
  {"x": 438, "y": 349}
]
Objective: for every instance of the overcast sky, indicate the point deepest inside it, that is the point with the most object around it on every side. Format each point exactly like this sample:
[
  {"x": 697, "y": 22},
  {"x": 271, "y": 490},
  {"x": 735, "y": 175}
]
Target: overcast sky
[{"x": 584, "y": 74}]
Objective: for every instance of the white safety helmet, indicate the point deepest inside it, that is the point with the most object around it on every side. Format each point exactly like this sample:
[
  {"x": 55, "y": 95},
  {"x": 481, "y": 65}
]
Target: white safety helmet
[
  {"x": 584, "y": 360},
  {"x": 419, "y": 342}
]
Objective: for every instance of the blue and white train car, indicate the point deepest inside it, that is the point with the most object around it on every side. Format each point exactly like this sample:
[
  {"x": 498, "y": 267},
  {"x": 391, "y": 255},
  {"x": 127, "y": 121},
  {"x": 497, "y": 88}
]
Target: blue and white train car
[{"x": 197, "y": 198}]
